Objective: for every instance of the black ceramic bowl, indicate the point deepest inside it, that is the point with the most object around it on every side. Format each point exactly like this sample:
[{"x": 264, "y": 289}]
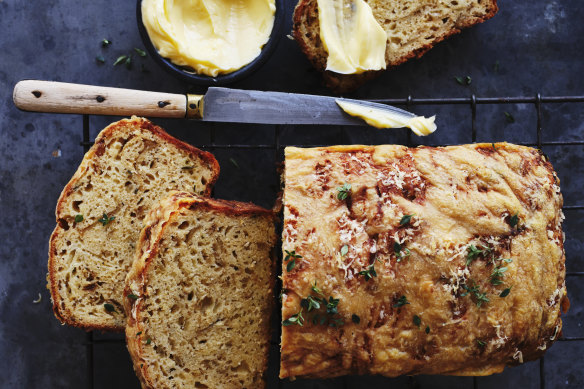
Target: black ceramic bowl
[{"x": 204, "y": 80}]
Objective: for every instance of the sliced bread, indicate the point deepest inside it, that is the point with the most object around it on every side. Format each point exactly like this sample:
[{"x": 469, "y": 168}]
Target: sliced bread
[
  {"x": 199, "y": 294},
  {"x": 132, "y": 164},
  {"x": 413, "y": 27}
]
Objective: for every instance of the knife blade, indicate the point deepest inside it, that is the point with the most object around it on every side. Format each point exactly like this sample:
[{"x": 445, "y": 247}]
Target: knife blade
[
  {"x": 250, "y": 106},
  {"x": 217, "y": 105}
]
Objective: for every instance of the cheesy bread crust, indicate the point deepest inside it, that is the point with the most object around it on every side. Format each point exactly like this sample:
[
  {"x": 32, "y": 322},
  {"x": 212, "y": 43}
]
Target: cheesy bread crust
[{"x": 435, "y": 260}]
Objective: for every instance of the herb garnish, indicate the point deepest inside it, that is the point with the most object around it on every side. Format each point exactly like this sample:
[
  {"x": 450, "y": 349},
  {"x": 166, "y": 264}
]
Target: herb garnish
[
  {"x": 497, "y": 274},
  {"x": 321, "y": 310},
  {"x": 401, "y": 302},
  {"x": 316, "y": 289},
  {"x": 100, "y": 59},
  {"x": 344, "y": 250},
  {"x": 356, "y": 319},
  {"x": 400, "y": 253},
  {"x": 463, "y": 80},
  {"x": 369, "y": 273},
  {"x": 138, "y": 333},
  {"x": 105, "y": 43},
  {"x": 505, "y": 292},
  {"x": 474, "y": 253},
  {"x": 343, "y": 192},
  {"x": 318, "y": 319},
  {"x": 132, "y": 296},
  {"x": 148, "y": 341},
  {"x": 427, "y": 329},
  {"x": 140, "y": 52},
  {"x": 234, "y": 162},
  {"x": 336, "y": 322},
  {"x": 291, "y": 256},
  {"x": 310, "y": 303},
  {"x": 417, "y": 321},
  {"x": 120, "y": 59},
  {"x": 332, "y": 305},
  {"x": 513, "y": 220},
  {"x": 480, "y": 343},
  {"x": 479, "y": 296},
  {"x": 109, "y": 307},
  {"x": 406, "y": 219},
  {"x": 296, "y": 319},
  {"x": 187, "y": 167},
  {"x": 509, "y": 117},
  {"x": 105, "y": 219},
  {"x": 78, "y": 218}
]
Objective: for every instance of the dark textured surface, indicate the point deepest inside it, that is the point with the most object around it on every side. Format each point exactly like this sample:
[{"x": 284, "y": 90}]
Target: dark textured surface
[{"x": 538, "y": 44}]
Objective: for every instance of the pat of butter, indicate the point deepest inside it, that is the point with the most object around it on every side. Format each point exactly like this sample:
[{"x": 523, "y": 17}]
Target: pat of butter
[
  {"x": 354, "y": 40},
  {"x": 386, "y": 119},
  {"x": 211, "y": 36}
]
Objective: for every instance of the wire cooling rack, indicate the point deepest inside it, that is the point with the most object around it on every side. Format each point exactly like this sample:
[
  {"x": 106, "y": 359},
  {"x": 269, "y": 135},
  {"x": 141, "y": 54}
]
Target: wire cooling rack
[{"x": 471, "y": 102}]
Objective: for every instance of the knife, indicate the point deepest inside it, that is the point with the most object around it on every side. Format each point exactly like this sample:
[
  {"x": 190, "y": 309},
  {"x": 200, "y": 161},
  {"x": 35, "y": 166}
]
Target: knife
[{"x": 217, "y": 105}]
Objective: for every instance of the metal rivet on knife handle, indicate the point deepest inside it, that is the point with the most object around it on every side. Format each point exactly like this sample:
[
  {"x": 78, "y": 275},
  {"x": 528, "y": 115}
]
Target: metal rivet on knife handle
[{"x": 195, "y": 104}]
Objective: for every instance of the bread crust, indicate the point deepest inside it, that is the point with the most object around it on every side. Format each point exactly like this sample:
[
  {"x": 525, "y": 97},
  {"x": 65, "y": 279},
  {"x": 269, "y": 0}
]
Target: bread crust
[
  {"x": 456, "y": 197},
  {"x": 146, "y": 251},
  {"x": 64, "y": 315},
  {"x": 306, "y": 16}
]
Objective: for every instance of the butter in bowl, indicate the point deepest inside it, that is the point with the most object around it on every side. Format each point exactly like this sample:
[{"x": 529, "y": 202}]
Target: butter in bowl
[{"x": 210, "y": 42}]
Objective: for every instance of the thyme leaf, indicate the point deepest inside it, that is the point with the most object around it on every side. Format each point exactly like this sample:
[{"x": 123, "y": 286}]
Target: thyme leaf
[
  {"x": 343, "y": 192},
  {"x": 105, "y": 220},
  {"x": 417, "y": 321},
  {"x": 479, "y": 296},
  {"x": 505, "y": 292},
  {"x": 121, "y": 59},
  {"x": 344, "y": 250},
  {"x": 406, "y": 219},
  {"x": 401, "y": 302},
  {"x": 296, "y": 319},
  {"x": 369, "y": 273}
]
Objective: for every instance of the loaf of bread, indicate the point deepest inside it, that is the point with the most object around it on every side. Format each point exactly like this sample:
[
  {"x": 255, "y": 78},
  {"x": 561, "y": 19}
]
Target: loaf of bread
[
  {"x": 419, "y": 260},
  {"x": 199, "y": 295},
  {"x": 132, "y": 164},
  {"x": 413, "y": 27}
]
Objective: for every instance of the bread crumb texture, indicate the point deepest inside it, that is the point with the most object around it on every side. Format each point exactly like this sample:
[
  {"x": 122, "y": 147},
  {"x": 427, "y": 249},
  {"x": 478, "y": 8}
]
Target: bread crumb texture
[
  {"x": 437, "y": 260},
  {"x": 413, "y": 27},
  {"x": 200, "y": 294},
  {"x": 100, "y": 212}
]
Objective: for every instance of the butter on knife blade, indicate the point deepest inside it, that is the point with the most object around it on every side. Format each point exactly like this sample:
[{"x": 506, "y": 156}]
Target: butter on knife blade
[{"x": 382, "y": 118}]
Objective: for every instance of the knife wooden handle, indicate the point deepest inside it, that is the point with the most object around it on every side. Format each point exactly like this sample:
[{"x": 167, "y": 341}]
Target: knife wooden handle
[{"x": 61, "y": 97}]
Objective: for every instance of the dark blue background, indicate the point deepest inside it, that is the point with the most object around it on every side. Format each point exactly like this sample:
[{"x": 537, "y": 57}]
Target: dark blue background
[{"x": 539, "y": 45}]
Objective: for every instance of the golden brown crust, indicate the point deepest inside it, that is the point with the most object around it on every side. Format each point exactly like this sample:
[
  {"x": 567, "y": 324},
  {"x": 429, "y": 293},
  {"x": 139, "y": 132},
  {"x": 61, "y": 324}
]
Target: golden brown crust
[
  {"x": 147, "y": 250},
  {"x": 459, "y": 196},
  {"x": 306, "y": 33},
  {"x": 96, "y": 151}
]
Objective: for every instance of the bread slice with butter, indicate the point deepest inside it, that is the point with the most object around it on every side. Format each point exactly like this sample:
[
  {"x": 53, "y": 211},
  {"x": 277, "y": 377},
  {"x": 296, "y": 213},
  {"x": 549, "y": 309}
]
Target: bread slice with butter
[
  {"x": 199, "y": 295},
  {"x": 132, "y": 164},
  {"x": 413, "y": 27}
]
